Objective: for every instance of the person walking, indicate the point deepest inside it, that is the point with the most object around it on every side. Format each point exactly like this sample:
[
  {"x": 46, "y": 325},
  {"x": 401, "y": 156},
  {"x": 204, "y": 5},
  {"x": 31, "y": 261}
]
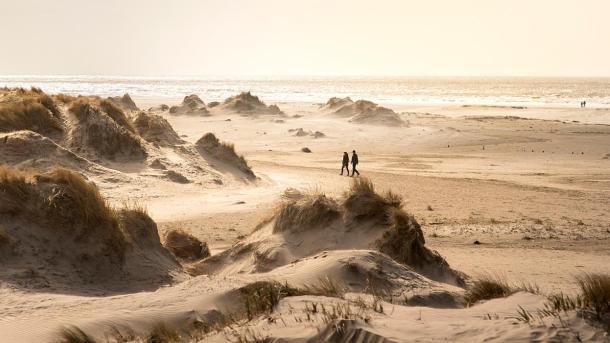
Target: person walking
[
  {"x": 354, "y": 163},
  {"x": 345, "y": 163}
]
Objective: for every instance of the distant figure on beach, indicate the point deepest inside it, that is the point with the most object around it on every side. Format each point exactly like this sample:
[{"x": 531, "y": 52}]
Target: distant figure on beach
[
  {"x": 354, "y": 163},
  {"x": 583, "y": 104},
  {"x": 345, "y": 163}
]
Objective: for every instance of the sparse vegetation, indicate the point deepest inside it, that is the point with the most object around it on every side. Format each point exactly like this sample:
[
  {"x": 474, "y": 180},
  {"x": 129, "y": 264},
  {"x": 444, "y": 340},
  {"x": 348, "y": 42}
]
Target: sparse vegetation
[
  {"x": 595, "y": 292},
  {"x": 117, "y": 114},
  {"x": 487, "y": 287},
  {"x": 161, "y": 333},
  {"x": 363, "y": 203},
  {"x": 224, "y": 152},
  {"x": 64, "y": 201},
  {"x": 28, "y": 115},
  {"x": 310, "y": 211},
  {"x": 74, "y": 334},
  {"x": 327, "y": 287},
  {"x": 593, "y": 302},
  {"x": 185, "y": 246},
  {"x": 103, "y": 134},
  {"x": 263, "y": 296}
]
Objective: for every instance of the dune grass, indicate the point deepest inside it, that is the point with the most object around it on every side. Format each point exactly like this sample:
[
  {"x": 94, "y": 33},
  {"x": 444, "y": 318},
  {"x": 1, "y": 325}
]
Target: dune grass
[
  {"x": 263, "y": 296},
  {"x": 73, "y": 334},
  {"x": 87, "y": 205},
  {"x": 225, "y": 152},
  {"x": 312, "y": 210},
  {"x": 27, "y": 115},
  {"x": 62, "y": 200},
  {"x": 185, "y": 246},
  {"x": 488, "y": 287},
  {"x": 161, "y": 333},
  {"x": 595, "y": 292},
  {"x": 362, "y": 202},
  {"x": 325, "y": 286},
  {"x": 117, "y": 114},
  {"x": 103, "y": 133}
]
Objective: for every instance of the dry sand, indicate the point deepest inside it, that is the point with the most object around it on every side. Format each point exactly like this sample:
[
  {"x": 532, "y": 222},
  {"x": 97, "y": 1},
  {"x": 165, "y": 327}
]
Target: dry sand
[{"x": 534, "y": 192}]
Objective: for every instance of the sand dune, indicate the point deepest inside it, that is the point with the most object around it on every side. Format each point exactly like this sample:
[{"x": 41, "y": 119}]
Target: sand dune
[
  {"x": 191, "y": 105},
  {"x": 62, "y": 235},
  {"x": 362, "y": 111},
  {"x": 329, "y": 259},
  {"x": 247, "y": 104}
]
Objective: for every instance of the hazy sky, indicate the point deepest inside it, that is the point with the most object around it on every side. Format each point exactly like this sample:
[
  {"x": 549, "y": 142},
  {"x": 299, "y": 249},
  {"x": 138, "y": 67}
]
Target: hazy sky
[{"x": 305, "y": 37}]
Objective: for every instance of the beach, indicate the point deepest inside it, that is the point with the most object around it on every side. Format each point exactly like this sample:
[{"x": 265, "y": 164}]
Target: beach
[{"x": 516, "y": 191}]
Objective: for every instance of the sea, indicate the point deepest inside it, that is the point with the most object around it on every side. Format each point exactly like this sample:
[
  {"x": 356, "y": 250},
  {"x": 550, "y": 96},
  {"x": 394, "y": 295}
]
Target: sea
[{"x": 492, "y": 91}]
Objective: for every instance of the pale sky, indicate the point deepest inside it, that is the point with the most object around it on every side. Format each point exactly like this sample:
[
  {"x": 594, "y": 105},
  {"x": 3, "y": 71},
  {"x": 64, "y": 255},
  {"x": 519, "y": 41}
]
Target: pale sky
[{"x": 305, "y": 37}]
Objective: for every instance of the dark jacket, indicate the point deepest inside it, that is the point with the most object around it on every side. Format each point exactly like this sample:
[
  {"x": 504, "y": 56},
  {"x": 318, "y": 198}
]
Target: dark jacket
[
  {"x": 345, "y": 159},
  {"x": 354, "y": 158}
]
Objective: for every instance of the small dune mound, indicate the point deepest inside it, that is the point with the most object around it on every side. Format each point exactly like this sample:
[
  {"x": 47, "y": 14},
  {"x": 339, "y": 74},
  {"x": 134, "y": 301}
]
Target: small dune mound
[
  {"x": 155, "y": 129},
  {"x": 362, "y": 111},
  {"x": 32, "y": 110},
  {"x": 67, "y": 233},
  {"x": 405, "y": 243},
  {"x": 191, "y": 105},
  {"x": 125, "y": 102},
  {"x": 185, "y": 246},
  {"x": 98, "y": 132},
  {"x": 247, "y": 104},
  {"x": 303, "y": 133},
  {"x": 210, "y": 146},
  {"x": 117, "y": 114},
  {"x": 309, "y": 223},
  {"x": 334, "y": 103},
  {"x": 27, "y": 149}
]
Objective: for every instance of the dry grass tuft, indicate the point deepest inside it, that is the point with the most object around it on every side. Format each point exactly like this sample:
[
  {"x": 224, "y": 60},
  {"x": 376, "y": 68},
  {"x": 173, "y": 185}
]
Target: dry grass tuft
[
  {"x": 74, "y": 334},
  {"x": 135, "y": 223},
  {"x": 64, "y": 98},
  {"x": 487, "y": 287},
  {"x": 312, "y": 210},
  {"x": 62, "y": 200},
  {"x": 363, "y": 203},
  {"x": 326, "y": 287},
  {"x": 186, "y": 246},
  {"x": 78, "y": 197},
  {"x": 224, "y": 152},
  {"x": 117, "y": 114},
  {"x": 263, "y": 296},
  {"x": 161, "y": 333},
  {"x": 595, "y": 292},
  {"x": 28, "y": 115}
]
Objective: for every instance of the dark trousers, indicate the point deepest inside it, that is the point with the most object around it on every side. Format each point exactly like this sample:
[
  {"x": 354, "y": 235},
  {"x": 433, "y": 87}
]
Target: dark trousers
[
  {"x": 346, "y": 168},
  {"x": 354, "y": 170}
]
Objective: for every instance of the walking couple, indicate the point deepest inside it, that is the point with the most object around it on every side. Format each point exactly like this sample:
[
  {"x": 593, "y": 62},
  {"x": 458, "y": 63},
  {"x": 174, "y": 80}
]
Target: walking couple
[{"x": 346, "y": 163}]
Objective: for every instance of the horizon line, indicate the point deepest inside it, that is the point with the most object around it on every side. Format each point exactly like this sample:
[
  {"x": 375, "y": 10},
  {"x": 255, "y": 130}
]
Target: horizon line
[{"x": 279, "y": 76}]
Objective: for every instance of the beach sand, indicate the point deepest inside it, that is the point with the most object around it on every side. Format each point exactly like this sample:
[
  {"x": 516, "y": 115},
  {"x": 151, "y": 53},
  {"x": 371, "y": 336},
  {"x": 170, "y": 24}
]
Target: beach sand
[{"x": 530, "y": 186}]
